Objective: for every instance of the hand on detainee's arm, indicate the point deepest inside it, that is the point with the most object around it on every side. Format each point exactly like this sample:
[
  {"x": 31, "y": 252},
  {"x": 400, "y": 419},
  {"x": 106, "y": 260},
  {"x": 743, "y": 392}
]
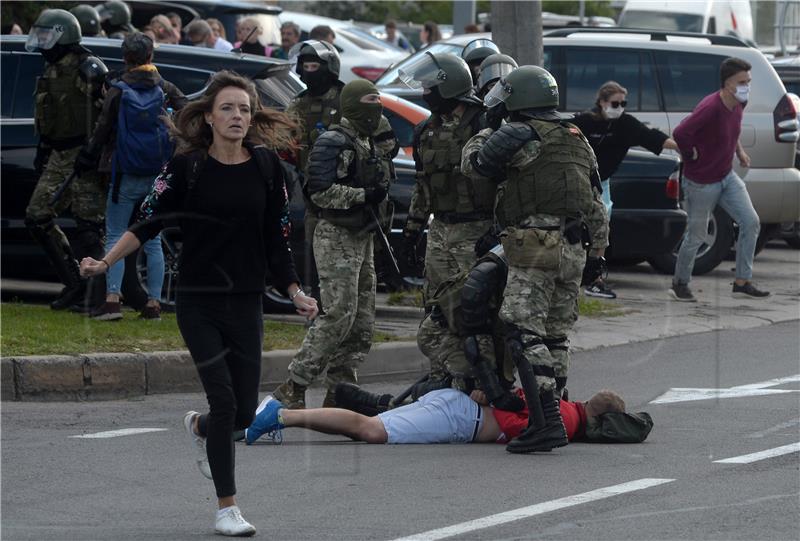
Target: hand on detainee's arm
[{"x": 305, "y": 305}]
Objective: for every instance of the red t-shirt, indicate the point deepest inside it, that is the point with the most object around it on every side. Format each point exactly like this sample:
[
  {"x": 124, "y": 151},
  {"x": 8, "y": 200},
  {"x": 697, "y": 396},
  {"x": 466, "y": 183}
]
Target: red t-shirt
[{"x": 512, "y": 423}]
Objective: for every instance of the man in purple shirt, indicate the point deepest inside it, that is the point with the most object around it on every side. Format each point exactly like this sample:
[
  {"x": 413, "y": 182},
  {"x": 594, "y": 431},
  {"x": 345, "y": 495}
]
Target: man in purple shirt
[{"x": 708, "y": 139}]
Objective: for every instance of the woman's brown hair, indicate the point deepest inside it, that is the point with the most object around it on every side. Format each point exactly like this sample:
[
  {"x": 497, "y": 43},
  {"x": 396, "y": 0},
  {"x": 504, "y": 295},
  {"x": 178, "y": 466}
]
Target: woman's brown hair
[
  {"x": 608, "y": 89},
  {"x": 433, "y": 31},
  {"x": 268, "y": 127}
]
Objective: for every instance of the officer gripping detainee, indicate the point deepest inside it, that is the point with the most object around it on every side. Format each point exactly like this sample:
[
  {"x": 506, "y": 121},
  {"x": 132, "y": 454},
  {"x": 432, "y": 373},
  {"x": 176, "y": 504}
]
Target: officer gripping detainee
[
  {"x": 546, "y": 164},
  {"x": 348, "y": 180},
  {"x": 67, "y": 98},
  {"x": 462, "y": 207}
]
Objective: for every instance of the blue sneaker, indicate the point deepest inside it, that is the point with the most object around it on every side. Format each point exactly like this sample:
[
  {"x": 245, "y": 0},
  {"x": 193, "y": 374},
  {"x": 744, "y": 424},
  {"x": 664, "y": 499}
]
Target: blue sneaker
[{"x": 267, "y": 421}]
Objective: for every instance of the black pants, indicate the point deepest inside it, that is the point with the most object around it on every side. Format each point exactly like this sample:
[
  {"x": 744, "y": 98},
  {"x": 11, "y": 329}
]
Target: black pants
[{"x": 224, "y": 334}]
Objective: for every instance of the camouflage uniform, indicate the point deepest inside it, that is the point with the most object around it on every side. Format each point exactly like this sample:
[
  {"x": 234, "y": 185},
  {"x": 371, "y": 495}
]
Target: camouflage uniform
[
  {"x": 597, "y": 221},
  {"x": 65, "y": 115},
  {"x": 340, "y": 338},
  {"x": 462, "y": 207}
]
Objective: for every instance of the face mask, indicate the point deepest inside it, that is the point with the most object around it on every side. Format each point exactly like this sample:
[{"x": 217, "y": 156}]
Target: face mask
[
  {"x": 438, "y": 104},
  {"x": 742, "y": 93},
  {"x": 495, "y": 116},
  {"x": 317, "y": 81},
  {"x": 366, "y": 117},
  {"x": 613, "y": 112}
]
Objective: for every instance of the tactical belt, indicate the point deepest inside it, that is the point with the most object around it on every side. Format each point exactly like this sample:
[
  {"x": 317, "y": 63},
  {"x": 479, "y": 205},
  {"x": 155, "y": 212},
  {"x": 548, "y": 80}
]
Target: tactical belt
[
  {"x": 477, "y": 422},
  {"x": 455, "y": 218}
]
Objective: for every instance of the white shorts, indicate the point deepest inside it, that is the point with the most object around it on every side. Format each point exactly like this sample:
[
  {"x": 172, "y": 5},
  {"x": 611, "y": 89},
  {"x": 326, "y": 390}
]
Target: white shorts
[{"x": 442, "y": 416}]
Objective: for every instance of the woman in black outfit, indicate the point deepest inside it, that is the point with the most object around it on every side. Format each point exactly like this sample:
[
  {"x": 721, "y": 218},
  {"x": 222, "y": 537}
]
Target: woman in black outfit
[
  {"x": 611, "y": 133},
  {"x": 226, "y": 190}
]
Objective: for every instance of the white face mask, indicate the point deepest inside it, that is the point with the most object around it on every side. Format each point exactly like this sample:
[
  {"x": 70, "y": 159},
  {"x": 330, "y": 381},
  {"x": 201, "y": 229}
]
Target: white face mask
[
  {"x": 742, "y": 93},
  {"x": 613, "y": 113}
]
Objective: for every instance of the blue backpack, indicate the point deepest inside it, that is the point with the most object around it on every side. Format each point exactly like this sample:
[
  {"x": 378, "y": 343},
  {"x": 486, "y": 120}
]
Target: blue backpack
[{"x": 143, "y": 144}]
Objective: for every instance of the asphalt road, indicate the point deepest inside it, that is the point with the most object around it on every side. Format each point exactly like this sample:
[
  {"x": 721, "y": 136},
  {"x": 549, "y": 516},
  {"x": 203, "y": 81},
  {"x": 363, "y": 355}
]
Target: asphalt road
[{"x": 315, "y": 487}]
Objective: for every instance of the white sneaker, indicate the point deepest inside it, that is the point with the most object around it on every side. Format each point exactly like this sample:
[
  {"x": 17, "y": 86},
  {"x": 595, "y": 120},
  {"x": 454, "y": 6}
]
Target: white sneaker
[
  {"x": 198, "y": 442},
  {"x": 231, "y": 522}
]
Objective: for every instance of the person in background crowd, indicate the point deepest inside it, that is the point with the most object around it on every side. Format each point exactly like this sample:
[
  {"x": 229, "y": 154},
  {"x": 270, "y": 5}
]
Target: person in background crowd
[
  {"x": 162, "y": 28},
  {"x": 67, "y": 103},
  {"x": 471, "y": 29},
  {"x": 115, "y": 16},
  {"x": 177, "y": 24},
  {"x": 217, "y": 28},
  {"x": 89, "y": 20},
  {"x": 290, "y": 35},
  {"x": 394, "y": 38},
  {"x": 225, "y": 187},
  {"x": 611, "y": 132},
  {"x": 708, "y": 139},
  {"x": 134, "y": 172},
  {"x": 16, "y": 30},
  {"x": 322, "y": 33},
  {"x": 248, "y": 30},
  {"x": 429, "y": 34},
  {"x": 199, "y": 31}
]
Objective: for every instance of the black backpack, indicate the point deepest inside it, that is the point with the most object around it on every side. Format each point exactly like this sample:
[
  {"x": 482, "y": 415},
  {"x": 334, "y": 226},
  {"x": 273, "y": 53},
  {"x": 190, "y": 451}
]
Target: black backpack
[{"x": 614, "y": 427}]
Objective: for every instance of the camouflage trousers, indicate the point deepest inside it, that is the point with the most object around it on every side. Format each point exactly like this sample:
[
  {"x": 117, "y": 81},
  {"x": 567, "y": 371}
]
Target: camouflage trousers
[
  {"x": 86, "y": 196},
  {"x": 450, "y": 250},
  {"x": 339, "y": 339},
  {"x": 542, "y": 305},
  {"x": 598, "y": 223},
  {"x": 445, "y": 351}
]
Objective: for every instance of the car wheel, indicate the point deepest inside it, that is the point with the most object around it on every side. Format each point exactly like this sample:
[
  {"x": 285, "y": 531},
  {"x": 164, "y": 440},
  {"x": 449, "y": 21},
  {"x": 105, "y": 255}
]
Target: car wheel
[
  {"x": 171, "y": 246},
  {"x": 710, "y": 254}
]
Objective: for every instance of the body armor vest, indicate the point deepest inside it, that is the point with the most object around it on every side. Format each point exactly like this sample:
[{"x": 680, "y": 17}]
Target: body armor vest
[
  {"x": 368, "y": 169},
  {"x": 451, "y": 191},
  {"x": 63, "y": 111},
  {"x": 555, "y": 183},
  {"x": 322, "y": 109}
]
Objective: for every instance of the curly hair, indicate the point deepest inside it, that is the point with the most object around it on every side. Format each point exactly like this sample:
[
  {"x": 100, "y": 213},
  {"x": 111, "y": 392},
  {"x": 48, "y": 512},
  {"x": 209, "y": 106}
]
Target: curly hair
[
  {"x": 270, "y": 128},
  {"x": 605, "y": 401}
]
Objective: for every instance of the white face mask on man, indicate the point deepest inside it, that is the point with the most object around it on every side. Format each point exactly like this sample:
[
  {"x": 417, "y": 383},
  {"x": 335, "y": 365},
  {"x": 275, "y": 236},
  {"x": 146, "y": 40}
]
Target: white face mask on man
[{"x": 742, "y": 93}]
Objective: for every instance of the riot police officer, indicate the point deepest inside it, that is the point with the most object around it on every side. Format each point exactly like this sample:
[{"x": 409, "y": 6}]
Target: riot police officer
[
  {"x": 475, "y": 52},
  {"x": 493, "y": 68},
  {"x": 89, "y": 20},
  {"x": 67, "y": 98},
  {"x": 462, "y": 207},
  {"x": 348, "y": 180},
  {"x": 546, "y": 164},
  {"x": 116, "y": 18}
]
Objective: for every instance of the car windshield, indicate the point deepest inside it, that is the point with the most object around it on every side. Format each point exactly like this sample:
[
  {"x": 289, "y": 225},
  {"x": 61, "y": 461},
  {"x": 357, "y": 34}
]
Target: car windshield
[
  {"x": 408, "y": 65},
  {"x": 364, "y": 39},
  {"x": 677, "y": 22}
]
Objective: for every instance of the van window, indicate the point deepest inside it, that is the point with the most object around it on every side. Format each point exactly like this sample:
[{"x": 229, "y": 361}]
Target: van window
[
  {"x": 188, "y": 80},
  {"x": 687, "y": 78},
  {"x": 8, "y": 65},
  {"x": 664, "y": 21},
  {"x": 587, "y": 70}
]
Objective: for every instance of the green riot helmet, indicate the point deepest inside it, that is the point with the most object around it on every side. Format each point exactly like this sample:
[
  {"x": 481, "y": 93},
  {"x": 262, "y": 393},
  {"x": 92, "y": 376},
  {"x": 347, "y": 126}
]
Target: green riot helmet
[
  {"x": 445, "y": 72},
  {"x": 115, "y": 13},
  {"x": 54, "y": 26},
  {"x": 88, "y": 18},
  {"x": 313, "y": 50},
  {"x": 529, "y": 90},
  {"x": 475, "y": 52},
  {"x": 494, "y": 68}
]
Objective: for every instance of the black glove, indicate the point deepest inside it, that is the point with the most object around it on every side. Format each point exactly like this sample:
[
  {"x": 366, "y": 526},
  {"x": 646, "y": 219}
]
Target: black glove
[
  {"x": 375, "y": 195},
  {"x": 84, "y": 162},
  {"x": 40, "y": 160},
  {"x": 509, "y": 402}
]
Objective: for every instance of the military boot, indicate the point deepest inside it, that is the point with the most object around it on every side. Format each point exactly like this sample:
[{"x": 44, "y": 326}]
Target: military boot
[
  {"x": 354, "y": 398},
  {"x": 75, "y": 286},
  {"x": 545, "y": 438},
  {"x": 293, "y": 395}
]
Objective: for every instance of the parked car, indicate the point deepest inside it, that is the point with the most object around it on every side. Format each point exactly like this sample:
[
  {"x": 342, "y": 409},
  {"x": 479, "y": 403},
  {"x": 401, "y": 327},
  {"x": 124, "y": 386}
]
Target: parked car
[
  {"x": 363, "y": 55},
  {"x": 190, "y": 69},
  {"x": 667, "y": 74},
  {"x": 410, "y": 31}
]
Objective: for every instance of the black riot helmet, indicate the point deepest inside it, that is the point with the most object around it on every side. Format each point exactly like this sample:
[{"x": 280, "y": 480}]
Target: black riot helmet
[
  {"x": 493, "y": 68},
  {"x": 321, "y": 52},
  {"x": 528, "y": 91},
  {"x": 88, "y": 18},
  {"x": 53, "y": 28},
  {"x": 116, "y": 13}
]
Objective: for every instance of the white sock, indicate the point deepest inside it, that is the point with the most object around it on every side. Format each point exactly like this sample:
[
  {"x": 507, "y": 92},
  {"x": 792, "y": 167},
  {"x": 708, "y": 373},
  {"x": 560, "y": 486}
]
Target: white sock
[{"x": 220, "y": 512}]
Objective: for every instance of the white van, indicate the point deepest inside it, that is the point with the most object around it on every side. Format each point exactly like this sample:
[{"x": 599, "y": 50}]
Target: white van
[{"x": 725, "y": 17}]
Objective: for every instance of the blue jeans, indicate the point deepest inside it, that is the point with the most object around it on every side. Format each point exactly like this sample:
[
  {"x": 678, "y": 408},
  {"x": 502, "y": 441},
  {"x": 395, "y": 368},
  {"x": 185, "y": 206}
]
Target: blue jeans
[
  {"x": 606, "y": 184},
  {"x": 131, "y": 191},
  {"x": 699, "y": 202}
]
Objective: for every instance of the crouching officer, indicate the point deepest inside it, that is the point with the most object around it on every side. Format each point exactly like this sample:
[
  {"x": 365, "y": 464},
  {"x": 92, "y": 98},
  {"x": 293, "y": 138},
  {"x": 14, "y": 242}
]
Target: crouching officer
[
  {"x": 547, "y": 164},
  {"x": 67, "y": 98},
  {"x": 348, "y": 179}
]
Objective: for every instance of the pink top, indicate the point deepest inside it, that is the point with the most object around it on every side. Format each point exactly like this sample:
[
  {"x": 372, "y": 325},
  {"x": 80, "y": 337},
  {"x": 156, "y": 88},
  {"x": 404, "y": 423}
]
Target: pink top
[{"x": 713, "y": 130}]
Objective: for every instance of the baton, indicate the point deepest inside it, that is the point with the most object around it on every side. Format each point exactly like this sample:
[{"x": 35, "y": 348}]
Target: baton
[
  {"x": 63, "y": 186},
  {"x": 385, "y": 241}
]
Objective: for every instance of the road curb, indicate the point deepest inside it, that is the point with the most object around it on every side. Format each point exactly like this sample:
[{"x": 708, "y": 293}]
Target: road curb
[{"x": 106, "y": 376}]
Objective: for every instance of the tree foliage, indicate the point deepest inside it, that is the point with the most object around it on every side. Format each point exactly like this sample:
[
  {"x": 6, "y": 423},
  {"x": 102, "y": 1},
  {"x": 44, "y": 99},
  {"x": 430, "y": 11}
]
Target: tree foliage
[{"x": 26, "y": 13}]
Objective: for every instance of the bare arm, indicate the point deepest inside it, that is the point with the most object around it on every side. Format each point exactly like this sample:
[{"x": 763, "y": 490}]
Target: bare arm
[
  {"x": 671, "y": 144},
  {"x": 744, "y": 158}
]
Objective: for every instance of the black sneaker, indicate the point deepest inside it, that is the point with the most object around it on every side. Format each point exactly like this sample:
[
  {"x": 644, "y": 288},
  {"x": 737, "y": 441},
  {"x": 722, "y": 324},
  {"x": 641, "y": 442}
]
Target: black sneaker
[
  {"x": 599, "y": 289},
  {"x": 108, "y": 311},
  {"x": 681, "y": 292},
  {"x": 749, "y": 291}
]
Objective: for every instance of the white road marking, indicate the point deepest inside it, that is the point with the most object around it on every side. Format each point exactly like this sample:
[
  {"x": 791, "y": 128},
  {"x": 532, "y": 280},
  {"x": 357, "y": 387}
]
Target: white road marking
[
  {"x": 687, "y": 394},
  {"x": 117, "y": 433},
  {"x": 761, "y": 455},
  {"x": 533, "y": 510},
  {"x": 776, "y": 428}
]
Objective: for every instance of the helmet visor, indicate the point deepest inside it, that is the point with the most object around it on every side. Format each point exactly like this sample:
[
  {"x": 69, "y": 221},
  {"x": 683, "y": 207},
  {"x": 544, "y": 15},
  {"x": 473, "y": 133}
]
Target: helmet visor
[
  {"x": 43, "y": 38},
  {"x": 493, "y": 72},
  {"x": 499, "y": 94},
  {"x": 483, "y": 43},
  {"x": 422, "y": 73},
  {"x": 104, "y": 13}
]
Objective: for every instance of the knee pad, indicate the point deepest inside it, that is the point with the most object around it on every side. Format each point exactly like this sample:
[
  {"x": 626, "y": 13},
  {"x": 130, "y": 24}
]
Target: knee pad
[
  {"x": 556, "y": 343},
  {"x": 39, "y": 228},
  {"x": 89, "y": 238}
]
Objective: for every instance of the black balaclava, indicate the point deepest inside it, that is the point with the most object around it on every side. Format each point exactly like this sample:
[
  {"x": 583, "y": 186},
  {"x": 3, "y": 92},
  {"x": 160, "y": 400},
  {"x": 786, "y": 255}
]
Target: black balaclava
[
  {"x": 318, "y": 82},
  {"x": 438, "y": 104}
]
